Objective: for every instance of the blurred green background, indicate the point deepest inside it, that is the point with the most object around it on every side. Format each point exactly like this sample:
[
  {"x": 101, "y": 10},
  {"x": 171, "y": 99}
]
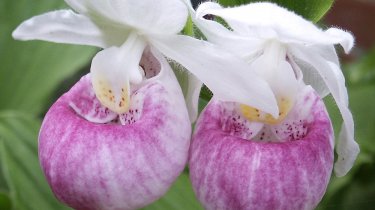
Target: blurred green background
[{"x": 34, "y": 74}]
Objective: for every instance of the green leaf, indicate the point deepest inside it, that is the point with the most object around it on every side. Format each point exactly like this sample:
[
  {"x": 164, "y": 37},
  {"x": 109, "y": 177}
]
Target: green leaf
[
  {"x": 362, "y": 107},
  {"x": 363, "y": 71},
  {"x": 19, "y": 163},
  {"x": 202, "y": 104},
  {"x": 179, "y": 197},
  {"x": 5, "y": 202},
  {"x": 353, "y": 192},
  {"x": 3, "y": 184},
  {"x": 312, "y": 10},
  {"x": 30, "y": 71}
]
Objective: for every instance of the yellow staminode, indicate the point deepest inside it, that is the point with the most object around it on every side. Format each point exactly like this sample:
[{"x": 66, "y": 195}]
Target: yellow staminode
[
  {"x": 116, "y": 101},
  {"x": 253, "y": 114}
]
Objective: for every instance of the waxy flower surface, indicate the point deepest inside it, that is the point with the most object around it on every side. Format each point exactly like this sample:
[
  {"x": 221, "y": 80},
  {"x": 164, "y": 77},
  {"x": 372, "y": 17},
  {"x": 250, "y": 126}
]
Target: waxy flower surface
[
  {"x": 245, "y": 158},
  {"x": 229, "y": 169},
  {"x": 120, "y": 136},
  {"x": 126, "y": 163}
]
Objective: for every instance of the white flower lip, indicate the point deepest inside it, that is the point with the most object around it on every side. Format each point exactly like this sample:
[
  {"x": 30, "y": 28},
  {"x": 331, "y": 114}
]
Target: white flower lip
[
  {"x": 309, "y": 48},
  {"x": 109, "y": 24}
]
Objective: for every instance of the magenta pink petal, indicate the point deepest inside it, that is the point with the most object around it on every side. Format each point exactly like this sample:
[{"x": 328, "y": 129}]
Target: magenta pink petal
[
  {"x": 228, "y": 172},
  {"x": 112, "y": 166}
]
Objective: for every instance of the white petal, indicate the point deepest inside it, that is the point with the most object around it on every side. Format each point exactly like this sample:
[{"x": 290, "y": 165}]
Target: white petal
[
  {"x": 343, "y": 94},
  {"x": 65, "y": 26},
  {"x": 191, "y": 88},
  {"x": 244, "y": 46},
  {"x": 326, "y": 51},
  {"x": 345, "y": 39},
  {"x": 227, "y": 76},
  {"x": 273, "y": 67},
  {"x": 267, "y": 20},
  {"x": 332, "y": 73},
  {"x": 212, "y": 8},
  {"x": 192, "y": 97},
  {"x": 347, "y": 149},
  {"x": 113, "y": 69},
  {"x": 159, "y": 17},
  {"x": 147, "y": 16},
  {"x": 310, "y": 76},
  {"x": 99, "y": 9},
  {"x": 211, "y": 29}
]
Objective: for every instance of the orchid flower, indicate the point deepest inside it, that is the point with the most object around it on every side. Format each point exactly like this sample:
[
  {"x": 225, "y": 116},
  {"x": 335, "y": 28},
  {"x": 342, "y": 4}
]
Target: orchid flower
[
  {"x": 120, "y": 136},
  {"x": 245, "y": 158},
  {"x": 229, "y": 169},
  {"x": 126, "y": 163}
]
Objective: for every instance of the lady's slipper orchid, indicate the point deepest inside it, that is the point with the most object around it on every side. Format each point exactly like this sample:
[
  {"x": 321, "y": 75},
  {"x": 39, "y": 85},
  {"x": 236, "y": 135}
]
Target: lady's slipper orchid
[
  {"x": 126, "y": 163},
  {"x": 119, "y": 137},
  {"x": 236, "y": 165},
  {"x": 244, "y": 158},
  {"x": 282, "y": 48}
]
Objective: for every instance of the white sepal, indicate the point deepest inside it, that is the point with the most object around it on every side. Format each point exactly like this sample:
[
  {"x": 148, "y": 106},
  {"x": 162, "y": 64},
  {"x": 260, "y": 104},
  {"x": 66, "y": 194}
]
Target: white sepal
[
  {"x": 347, "y": 149},
  {"x": 237, "y": 43},
  {"x": 267, "y": 21},
  {"x": 152, "y": 17},
  {"x": 344, "y": 38},
  {"x": 147, "y": 16},
  {"x": 224, "y": 74},
  {"x": 65, "y": 26},
  {"x": 311, "y": 76}
]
